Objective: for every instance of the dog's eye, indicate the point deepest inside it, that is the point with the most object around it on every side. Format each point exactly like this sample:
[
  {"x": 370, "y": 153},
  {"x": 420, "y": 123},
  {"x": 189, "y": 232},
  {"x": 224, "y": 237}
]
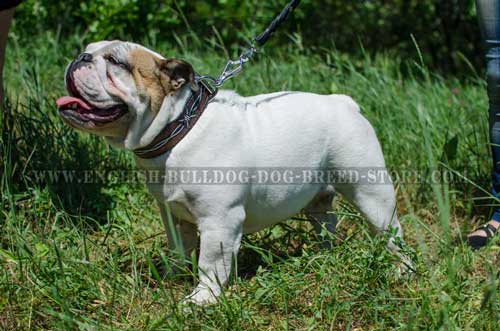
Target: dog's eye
[{"x": 114, "y": 61}]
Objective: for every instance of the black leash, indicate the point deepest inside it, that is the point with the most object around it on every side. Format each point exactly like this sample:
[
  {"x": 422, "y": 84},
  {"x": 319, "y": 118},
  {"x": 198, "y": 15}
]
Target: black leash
[
  {"x": 234, "y": 67},
  {"x": 276, "y": 23}
]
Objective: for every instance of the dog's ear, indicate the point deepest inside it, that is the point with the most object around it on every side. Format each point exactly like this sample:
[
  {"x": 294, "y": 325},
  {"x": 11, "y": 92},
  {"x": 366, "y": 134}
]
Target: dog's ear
[{"x": 174, "y": 74}]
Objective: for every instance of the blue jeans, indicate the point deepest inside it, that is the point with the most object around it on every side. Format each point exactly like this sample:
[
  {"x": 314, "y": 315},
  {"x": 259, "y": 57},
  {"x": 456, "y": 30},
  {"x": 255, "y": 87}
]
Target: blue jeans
[{"x": 489, "y": 21}]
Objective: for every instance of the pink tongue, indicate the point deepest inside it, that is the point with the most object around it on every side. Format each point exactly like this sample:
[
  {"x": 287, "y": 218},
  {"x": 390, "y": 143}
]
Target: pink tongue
[{"x": 66, "y": 101}]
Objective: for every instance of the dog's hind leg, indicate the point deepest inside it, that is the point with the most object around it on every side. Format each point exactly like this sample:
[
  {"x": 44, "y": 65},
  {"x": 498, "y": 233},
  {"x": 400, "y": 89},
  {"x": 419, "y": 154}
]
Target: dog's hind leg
[
  {"x": 377, "y": 202},
  {"x": 324, "y": 223}
]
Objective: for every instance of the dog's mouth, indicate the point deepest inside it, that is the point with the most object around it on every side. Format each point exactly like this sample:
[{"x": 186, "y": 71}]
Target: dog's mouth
[
  {"x": 75, "y": 107},
  {"x": 80, "y": 110}
]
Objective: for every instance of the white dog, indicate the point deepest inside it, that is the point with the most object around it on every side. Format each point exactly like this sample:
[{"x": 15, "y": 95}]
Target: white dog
[{"x": 129, "y": 95}]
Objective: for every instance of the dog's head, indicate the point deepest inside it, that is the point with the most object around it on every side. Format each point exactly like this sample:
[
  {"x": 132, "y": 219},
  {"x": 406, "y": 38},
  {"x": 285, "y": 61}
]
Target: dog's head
[{"x": 118, "y": 90}]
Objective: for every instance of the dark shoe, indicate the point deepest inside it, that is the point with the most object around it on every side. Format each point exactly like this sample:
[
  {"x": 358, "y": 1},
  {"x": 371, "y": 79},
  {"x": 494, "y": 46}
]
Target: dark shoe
[{"x": 478, "y": 241}]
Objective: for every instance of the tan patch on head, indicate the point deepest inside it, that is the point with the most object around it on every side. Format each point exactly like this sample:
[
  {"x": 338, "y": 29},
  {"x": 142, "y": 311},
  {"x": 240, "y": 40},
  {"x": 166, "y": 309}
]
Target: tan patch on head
[
  {"x": 145, "y": 71},
  {"x": 158, "y": 78}
]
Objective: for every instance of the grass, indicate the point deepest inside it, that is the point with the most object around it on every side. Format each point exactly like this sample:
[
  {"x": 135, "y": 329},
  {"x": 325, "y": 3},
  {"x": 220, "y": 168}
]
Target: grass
[{"x": 93, "y": 257}]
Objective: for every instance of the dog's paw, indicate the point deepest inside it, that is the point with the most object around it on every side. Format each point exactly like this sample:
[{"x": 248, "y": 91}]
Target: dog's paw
[
  {"x": 404, "y": 268},
  {"x": 201, "y": 296}
]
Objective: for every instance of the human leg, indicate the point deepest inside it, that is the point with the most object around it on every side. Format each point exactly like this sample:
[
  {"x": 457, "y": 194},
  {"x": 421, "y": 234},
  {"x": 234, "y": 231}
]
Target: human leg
[
  {"x": 5, "y": 20},
  {"x": 489, "y": 21}
]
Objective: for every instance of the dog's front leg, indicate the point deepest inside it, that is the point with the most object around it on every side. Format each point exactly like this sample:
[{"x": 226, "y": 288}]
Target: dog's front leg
[
  {"x": 182, "y": 236},
  {"x": 220, "y": 241}
]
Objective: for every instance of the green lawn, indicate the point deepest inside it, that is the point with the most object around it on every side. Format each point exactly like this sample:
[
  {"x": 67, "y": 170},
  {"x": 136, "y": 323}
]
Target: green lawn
[{"x": 93, "y": 257}]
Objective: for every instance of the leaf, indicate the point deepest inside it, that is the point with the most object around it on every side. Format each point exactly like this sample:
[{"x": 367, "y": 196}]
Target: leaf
[
  {"x": 8, "y": 256},
  {"x": 41, "y": 249}
]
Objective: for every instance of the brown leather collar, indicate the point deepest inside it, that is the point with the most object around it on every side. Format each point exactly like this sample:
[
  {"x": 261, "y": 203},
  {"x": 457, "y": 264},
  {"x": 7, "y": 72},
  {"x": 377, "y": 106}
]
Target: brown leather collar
[{"x": 173, "y": 133}]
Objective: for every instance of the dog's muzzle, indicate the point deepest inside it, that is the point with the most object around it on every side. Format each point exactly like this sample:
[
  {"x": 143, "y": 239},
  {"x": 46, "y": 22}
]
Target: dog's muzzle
[
  {"x": 82, "y": 60},
  {"x": 76, "y": 108}
]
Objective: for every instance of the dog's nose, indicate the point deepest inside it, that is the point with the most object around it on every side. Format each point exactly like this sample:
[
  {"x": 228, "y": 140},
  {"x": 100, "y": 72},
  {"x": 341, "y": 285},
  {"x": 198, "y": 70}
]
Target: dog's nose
[{"x": 85, "y": 57}]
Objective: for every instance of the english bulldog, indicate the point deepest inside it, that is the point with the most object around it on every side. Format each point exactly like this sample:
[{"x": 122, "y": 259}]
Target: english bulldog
[{"x": 128, "y": 94}]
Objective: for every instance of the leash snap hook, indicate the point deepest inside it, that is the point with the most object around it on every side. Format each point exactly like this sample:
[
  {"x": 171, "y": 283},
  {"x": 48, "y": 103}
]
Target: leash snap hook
[{"x": 234, "y": 67}]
